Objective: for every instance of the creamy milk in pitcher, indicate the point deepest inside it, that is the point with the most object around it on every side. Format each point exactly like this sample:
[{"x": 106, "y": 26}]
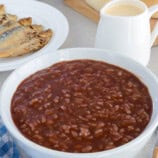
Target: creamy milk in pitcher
[{"x": 124, "y": 28}]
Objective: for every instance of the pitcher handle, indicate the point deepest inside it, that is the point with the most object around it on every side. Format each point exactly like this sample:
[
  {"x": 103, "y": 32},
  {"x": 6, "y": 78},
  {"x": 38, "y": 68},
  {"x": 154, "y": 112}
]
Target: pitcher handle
[{"x": 154, "y": 34}]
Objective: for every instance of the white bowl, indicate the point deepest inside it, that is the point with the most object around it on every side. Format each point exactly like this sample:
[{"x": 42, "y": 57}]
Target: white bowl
[{"x": 129, "y": 150}]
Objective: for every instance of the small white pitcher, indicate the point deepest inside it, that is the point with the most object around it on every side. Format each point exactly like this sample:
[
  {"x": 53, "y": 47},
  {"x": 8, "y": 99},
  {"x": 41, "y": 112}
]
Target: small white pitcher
[{"x": 128, "y": 35}]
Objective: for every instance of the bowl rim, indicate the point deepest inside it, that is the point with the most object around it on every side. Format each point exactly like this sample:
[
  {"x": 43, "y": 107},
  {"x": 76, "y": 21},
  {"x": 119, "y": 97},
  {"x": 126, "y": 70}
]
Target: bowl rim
[{"x": 21, "y": 138}]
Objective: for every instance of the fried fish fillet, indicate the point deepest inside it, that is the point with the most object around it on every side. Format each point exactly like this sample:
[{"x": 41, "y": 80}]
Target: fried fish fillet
[
  {"x": 25, "y": 21},
  {"x": 11, "y": 24},
  {"x": 36, "y": 43},
  {"x": 5, "y": 17},
  {"x": 8, "y": 26},
  {"x": 18, "y": 37},
  {"x": 2, "y": 9}
]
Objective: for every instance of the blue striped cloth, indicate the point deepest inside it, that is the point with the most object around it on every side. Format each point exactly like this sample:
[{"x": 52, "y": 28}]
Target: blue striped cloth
[{"x": 7, "y": 146}]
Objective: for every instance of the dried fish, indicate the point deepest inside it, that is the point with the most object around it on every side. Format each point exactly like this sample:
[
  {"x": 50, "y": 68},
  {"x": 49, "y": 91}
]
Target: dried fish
[{"x": 18, "y": 37}]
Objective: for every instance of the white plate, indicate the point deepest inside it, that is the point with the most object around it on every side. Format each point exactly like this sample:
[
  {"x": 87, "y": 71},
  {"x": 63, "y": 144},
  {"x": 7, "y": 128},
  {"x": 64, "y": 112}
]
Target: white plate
[{"x": 43, "y": 14}]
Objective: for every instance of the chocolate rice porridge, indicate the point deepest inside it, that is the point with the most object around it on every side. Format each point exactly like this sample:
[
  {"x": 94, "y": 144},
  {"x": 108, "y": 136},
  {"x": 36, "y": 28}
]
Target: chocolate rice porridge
[{"x": 81, "y": 106}]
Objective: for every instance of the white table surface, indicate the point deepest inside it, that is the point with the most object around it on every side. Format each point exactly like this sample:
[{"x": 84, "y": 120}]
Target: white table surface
[{"x": 82, "y": 34}]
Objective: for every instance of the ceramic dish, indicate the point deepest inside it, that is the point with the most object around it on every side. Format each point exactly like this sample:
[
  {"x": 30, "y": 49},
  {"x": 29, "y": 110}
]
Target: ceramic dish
[
  {"x": 41, "y": 13},
  {"x": 33, "y": 150}
]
